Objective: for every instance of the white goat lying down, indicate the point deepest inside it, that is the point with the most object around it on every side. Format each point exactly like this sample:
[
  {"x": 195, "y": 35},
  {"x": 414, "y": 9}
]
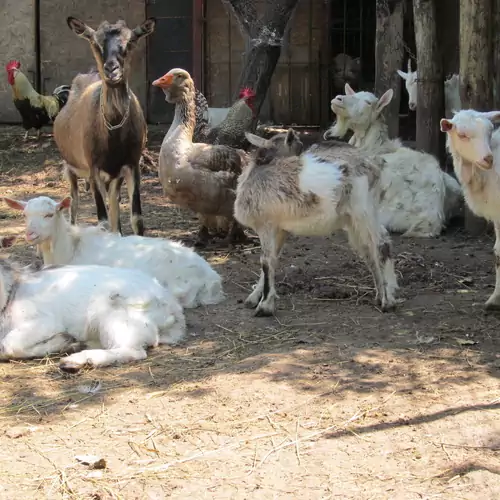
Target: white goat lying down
[
  {"x": 475, "y": 150},
  {"x": 417, "y": 196},
  {"x": 187, "y": 275},
  {"x": 312, "y": 194},
  {"x": 58, "y": 309}
]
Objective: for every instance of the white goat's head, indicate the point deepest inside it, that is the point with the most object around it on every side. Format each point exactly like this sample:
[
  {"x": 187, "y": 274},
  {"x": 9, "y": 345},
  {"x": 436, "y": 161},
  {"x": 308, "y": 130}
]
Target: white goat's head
[
  {"x": 469, "y": 136},
  {"x": 41, "y": 216},
  {"x": 410, "y": 79},
  {"x": 357, "y": 110}
]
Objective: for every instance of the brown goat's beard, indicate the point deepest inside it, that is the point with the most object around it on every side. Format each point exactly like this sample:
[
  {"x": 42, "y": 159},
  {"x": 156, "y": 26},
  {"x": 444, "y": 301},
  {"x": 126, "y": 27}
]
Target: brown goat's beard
[{"x": 340, "y": 128}]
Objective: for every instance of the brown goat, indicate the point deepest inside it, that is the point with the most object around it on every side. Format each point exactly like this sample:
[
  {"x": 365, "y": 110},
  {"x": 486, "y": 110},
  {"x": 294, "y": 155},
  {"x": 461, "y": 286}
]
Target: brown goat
[{"x": 101, "y": 131}]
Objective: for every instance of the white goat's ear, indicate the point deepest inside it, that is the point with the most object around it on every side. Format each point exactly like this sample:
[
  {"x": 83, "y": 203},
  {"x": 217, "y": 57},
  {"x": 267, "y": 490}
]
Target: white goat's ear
[
  {"x": 66, "y": 203},
  {"x": 15, "y": 204},
  {"x": 409, "y": 65},
  {"x": 445, "y": 125},
  {"x": 493, "y": 116},
  {"x": 7, "y": 241},
  {"x": 256, "y": 140},
  {"x": 384, "y": 100},
  {"x": 80, "y": 28},
  {"x": 349, "y": 90},
  {"x": 402, "y": 74}
]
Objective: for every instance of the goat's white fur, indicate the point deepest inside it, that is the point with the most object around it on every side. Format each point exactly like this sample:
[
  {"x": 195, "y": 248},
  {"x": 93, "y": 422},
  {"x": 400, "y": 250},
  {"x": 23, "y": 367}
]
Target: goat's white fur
[
  {"x": 452, "y": 100},
  {"x": 119, "y": 312},
  {"x": 475, "y": 150},
  {"x": 188, "y": 276},
  {"x": 418, "y": 197},
  {"x": 265, "y": 202}
]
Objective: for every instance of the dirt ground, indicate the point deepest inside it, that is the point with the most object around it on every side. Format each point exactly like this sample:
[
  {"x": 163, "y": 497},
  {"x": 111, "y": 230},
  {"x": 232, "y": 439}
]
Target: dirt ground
[{"x": 329, "y": 399}]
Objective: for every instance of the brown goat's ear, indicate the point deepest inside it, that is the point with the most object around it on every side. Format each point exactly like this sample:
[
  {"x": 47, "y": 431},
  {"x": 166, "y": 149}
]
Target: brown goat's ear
[
  {"x": 7, "y": 241},
  {"x": 80, "y": 28},
  {"x": 15, "y": 204},
  {"x": 66, "y": 203},
  {"x": 145, "y": 29}
]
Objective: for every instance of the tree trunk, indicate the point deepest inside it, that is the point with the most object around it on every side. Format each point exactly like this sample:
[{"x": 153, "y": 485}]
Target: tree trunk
[
  {"x": 430, "y": 94},
  {"x": 475, "y": 71},
  {"x": 266, "y": 38},
  {"x": 389, "y": 52}
]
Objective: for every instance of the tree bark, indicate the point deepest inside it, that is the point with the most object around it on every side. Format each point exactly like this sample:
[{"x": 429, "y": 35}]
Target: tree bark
[
  {"x": 430, "y": 93},
  {"x": 266, "y": 38},
  {"x": 496, "y": 55},
  {"x": 389, "y": 52},
  {"x": 476, "y": 71}
]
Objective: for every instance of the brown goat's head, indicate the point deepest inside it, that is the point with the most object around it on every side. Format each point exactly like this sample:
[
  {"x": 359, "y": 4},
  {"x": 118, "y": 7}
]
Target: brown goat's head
[{"x": 111, "y": 45}]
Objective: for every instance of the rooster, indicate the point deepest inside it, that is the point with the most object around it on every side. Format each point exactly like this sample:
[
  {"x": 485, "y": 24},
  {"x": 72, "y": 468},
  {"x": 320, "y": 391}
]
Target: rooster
[
  {"x": 231, "y": 131},
  {"x": 36, "y": 110}
]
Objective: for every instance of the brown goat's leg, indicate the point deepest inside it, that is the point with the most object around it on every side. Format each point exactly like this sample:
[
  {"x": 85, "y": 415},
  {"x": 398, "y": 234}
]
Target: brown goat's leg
[
  {"x": 236, "y": 234},
  {"x": 264, "y": 294},
  {"x": 75, "y": 198},
  {"x": 133, "y": 178},
  {"x": 99, "y": 195},
  {"x": 114, "y": 207},
  {"x": 493, "y": 303}
]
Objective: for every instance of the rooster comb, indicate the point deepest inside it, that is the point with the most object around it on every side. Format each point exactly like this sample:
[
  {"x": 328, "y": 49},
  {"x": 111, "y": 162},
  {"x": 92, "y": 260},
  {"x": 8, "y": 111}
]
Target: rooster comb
[
  {"x": 12, "y": 65},
  {"x": 247, "y": 92}
]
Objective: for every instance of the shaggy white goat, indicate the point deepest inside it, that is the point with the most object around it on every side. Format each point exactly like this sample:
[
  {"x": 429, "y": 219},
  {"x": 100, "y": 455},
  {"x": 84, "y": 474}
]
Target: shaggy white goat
[
  {"x": 417, "y": 196},
  {"x": 59, "y": 309},
  {"x": 452, "y": 101},
  {"x": 475, "y": 150},
  {"x": 187, "y": 275},
  {"x": 314, "y": 194}
]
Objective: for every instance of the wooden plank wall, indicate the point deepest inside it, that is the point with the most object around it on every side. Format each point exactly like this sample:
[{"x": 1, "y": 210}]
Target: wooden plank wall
[{"x": 294, "y": 95}]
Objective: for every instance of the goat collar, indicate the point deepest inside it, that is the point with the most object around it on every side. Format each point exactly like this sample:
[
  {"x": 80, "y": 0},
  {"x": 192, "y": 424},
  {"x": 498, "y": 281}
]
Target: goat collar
[{"x": 125, "y": 115}]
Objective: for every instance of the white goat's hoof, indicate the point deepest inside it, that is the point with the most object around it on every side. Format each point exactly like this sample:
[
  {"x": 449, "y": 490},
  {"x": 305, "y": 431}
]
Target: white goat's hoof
[
  {"x": 492, "y": 305},
  {"x": 264, "y": 310},
  {"x": 69, "y": 366},
  {"x": 252, "y": 302},
  {"x": 388, "y": 306}
]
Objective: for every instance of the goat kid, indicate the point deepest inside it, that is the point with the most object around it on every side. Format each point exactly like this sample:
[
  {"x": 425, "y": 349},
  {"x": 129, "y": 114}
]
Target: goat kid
[
  {"x": 101, "y": 131},
  {"x": 58, "y": 310},
  {"x": 186, "y": 274},
  {"x": 475, "y": 150},
  {"x": 312, "y": 194}
]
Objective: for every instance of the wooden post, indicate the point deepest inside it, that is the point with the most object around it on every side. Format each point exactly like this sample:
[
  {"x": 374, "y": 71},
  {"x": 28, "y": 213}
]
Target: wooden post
[
  {"x": 389, "y": 52},
  {"x": 475, "y": 71},
  {"x": 430, "y": 94},
  {"x": 496, "y": 55}
]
